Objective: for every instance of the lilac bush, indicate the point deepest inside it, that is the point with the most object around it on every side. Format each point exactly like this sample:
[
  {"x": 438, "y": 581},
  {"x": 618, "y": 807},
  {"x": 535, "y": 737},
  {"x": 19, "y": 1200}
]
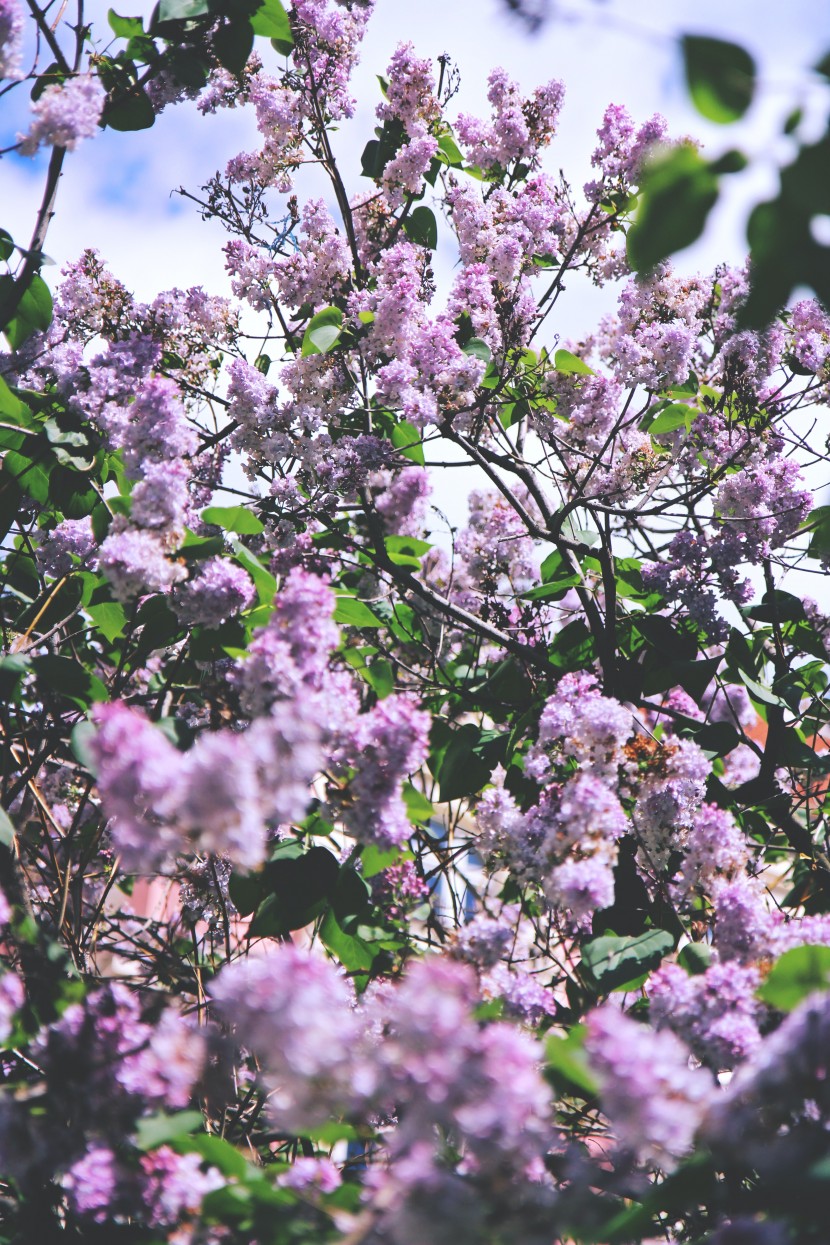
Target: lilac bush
[{"x": 362, "y": 879}]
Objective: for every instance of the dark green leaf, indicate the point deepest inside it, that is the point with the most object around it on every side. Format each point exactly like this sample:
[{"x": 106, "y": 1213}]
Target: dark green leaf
[
  {"x": 478, "y": 348},
  {"x": 720, "y": 77},
  {"x": 421, "y": 228},
  {"x": 129, "y": 110},
  {"x": 34, "y": 311},
  {"x": 215, "y": 1151},
  {"x": 610, "y": 962},
  {"x": 233, "y": 43},
  {"x": 238, "y": 519},
  {"x": 678, "y": 190},
  {"x": 13, "y": 667},
  {"x": 69, "y": 678},
  {"x": 6, "y": 244},
  {"x": 695, "y": 958},
  {"x": 125, "y": 27},
  {"x": 798, "y": 973}
]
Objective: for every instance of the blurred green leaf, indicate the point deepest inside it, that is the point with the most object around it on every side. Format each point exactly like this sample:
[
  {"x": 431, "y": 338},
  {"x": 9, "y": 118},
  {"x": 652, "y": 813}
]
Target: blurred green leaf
[{"x": 720, "y": 77}]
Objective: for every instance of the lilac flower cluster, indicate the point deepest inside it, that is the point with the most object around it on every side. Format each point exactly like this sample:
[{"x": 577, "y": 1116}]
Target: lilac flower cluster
[
  {"x": 519, "y": 128},
  {"x": 11, "y": 38},
  {"x": 64, "y": 115}
]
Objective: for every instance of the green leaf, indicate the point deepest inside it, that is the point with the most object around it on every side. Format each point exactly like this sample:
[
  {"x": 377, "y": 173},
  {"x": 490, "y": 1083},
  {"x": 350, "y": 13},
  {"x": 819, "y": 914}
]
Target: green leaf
[
  {"x": 611, "y": 962},
  {"x": 323, "y": 331},
  {"x": 759, "y": 692},
  {"x": 7, "y": 831},
  {"x": 720, "y": 77},
  {"x": 233, "y": 43},
  {"x": 568, "y": 1064},
  {"x": 271, "y": 21},
  {"x": 795, "y": 975},
  {"x": 156, "y": 1130},
  {"x": 34, "y": 311},
  {"x": 6, "y": 244},
  {"x": 421, "y": 228},
  {"x": 695, "y": 958},
  {"x": 673, "y": 417},
  {"x": 408, "y": 440},
  {"x": 354, "y": 953},
  {"x": 450, "y": 150},
  {"x": 677, "y": 192},
  {"x": 216, "y": 1151},
  {"x": 264, "y": 581},
  {"x": 406, "y": 550},
  {"x": 236, "y": 519},
  {"x": 418, "y": 807},
  {"x": 478, "y": 349},
  {"x": 568, "y": 363},
  {"x": 13, "y": 667},
  {"x": 182, "y": 10},
  {"x": 109, "y": 618},
  {"x": 353, "y": 613},
  {"x": 130, "y": 110},
  {"x": 374, "y": 860},
  {"x": 125, "y": 27},
  {"x": 70, "y": 678}
]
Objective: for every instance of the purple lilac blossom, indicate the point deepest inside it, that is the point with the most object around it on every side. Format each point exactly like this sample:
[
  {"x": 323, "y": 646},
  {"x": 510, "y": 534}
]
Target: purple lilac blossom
[
  {"x": 653, "y": 1098},
  {"x": 219, "y": 592},
  {"x": 61, "y": 549},
  {"x": 64, "y": 115},
  {"x": 716, "y": 1012},
  {"x": 390, "y": 742},
  {"x": 11, "y": 39}
]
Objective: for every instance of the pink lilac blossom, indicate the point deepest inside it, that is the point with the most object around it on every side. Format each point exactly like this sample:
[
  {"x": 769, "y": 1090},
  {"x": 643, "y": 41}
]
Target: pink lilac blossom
[
  {"x": 94, "y": 1184},
  {"x": 157, "y": 425},
  {"x": 219, "y": 591},
  {"x": 11, "y": 39},
  {"x": 410, "y": 91},
  {"x": 810, "y": 328},
  {"x": 519, "y": 127},
  {"x": 161, "y": 498},
  {"x": 402, "y": 501},
  {"x": 621, "y": 152},
  {"x": 483, "y": 940},
  {"x": 404, "y": 174},
  {"x": 252, "y": 271},
  {"x": 71, "y": 542},
  {"x": 311, "y": 1175},
  {"x": 654, "y": 1099},
  {"x": 745, "y": 928},
  {"x": 716, "y": 1013},
  {"x": 504, "y": 831},
  {"x": 522, "y": 994},
  {"x": 218, "y": 797},
  {"x": 64, "y": 115},
  {"x": 328, "y": 37},
  {"x": 319, "y": 270},
  {"x": 293, "y": 1010}
]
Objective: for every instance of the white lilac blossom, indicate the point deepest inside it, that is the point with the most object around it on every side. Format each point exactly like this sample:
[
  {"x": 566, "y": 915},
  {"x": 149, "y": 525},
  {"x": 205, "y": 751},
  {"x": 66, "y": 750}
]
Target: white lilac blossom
[
  {"x": 654, "y": 1099},
  {"x": 65, "y": 114}
]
